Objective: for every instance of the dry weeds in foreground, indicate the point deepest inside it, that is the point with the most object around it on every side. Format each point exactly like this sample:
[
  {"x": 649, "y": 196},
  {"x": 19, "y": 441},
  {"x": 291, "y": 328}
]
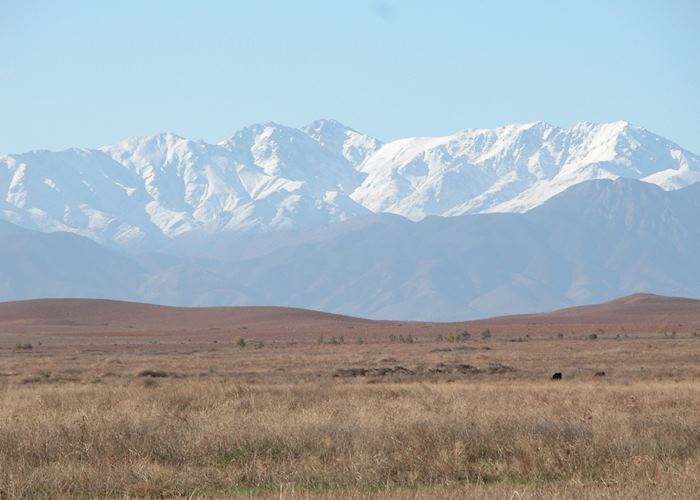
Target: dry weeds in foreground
[
  {"x": 508, "y": 439},
  {"x": 78, "y": 418}
]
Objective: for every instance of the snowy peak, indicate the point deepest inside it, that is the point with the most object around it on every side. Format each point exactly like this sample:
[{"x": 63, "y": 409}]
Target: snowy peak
[
  {"x": 292, "y": 154},
  {"x": 146, "y": 190},
  {"x": 515, "y": 167},
  {"x": 353, "y": 146}
]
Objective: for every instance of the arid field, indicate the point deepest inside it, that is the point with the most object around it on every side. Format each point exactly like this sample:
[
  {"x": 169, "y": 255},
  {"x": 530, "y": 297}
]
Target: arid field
[{"x": 105, "y": 400}]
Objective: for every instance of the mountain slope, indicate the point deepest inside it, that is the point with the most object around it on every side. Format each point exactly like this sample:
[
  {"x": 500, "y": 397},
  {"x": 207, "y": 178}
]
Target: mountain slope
[
  {"x": 39, "y": 265},
  {"x": 145, "y": 192},
  {"x": 514, "y": 168},
  {"x": 595, "y": 241}
]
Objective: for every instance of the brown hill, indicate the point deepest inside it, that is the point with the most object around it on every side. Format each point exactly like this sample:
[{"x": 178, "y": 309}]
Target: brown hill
[
  {"x": 638, "y": 313},
  {"x": 89, "y": 316},
  {"x": 106, "y": 319}
]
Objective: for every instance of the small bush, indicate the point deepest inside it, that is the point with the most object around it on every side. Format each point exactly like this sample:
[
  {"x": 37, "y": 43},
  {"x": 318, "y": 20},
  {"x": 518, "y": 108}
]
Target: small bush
[
  {"x": 486, "y": 334},
  {"x": 153, "y": 373}
]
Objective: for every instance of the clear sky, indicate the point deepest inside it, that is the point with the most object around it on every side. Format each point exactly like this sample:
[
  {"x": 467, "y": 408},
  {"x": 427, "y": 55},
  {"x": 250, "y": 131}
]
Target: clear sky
[{"x": 88, "y": 73}]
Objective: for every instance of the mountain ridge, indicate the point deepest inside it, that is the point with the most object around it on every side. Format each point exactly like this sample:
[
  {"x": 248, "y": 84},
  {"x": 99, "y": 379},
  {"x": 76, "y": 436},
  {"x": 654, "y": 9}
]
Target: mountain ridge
[
  {"x": 143, "y": 192},
  {"x": 595, "y": 241}
]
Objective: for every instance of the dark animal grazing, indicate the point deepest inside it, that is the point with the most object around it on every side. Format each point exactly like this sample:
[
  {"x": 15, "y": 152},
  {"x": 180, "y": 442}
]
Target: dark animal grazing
[
  {"x": 600, "y": 374},
  {"x": 556, "y": 376}
]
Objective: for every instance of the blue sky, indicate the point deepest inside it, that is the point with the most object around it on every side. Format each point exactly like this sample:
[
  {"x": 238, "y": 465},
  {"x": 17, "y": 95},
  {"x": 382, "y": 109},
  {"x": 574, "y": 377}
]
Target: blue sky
[{"x": 88, "y": 73}]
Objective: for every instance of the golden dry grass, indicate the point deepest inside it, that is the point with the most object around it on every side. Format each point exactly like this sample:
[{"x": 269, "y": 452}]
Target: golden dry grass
[{"x": 85, "y": 420}]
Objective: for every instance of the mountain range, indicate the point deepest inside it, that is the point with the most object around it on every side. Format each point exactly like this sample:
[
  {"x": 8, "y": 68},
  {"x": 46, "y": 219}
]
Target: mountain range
[
  {"x": 146, "y": 193},
  {"x": 595, "y": 241}
]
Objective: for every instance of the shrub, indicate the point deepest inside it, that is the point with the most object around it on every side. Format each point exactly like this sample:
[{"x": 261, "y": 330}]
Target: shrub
[
  {"x": 486, "y": 334},
  {"x": 153, "y": 373}
]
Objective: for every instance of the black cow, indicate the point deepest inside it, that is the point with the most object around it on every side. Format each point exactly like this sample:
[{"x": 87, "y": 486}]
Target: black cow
[
  {"x": 600, "y": 374},
  {"x": 556, "y": 376}
]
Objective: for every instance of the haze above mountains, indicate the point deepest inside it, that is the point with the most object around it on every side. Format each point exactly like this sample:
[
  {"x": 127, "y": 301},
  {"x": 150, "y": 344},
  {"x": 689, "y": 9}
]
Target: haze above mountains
[{"x": 532, "y": 217}]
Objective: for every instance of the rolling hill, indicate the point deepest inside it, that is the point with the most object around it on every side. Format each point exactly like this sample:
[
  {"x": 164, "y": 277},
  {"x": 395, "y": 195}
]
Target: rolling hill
[{"x": 106, "y": 319}]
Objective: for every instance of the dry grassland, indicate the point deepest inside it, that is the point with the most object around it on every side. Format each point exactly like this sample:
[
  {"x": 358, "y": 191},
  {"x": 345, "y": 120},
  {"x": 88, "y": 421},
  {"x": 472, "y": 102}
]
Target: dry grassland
[{"x": 188, "y": 416}]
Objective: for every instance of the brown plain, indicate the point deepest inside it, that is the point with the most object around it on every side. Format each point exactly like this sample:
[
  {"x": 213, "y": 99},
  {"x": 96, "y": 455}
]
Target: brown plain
[{"x": 111, "y": 399}]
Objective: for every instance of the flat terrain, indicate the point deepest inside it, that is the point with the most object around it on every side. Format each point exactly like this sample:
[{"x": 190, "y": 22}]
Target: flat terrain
[{"x": 113, "y": 399}]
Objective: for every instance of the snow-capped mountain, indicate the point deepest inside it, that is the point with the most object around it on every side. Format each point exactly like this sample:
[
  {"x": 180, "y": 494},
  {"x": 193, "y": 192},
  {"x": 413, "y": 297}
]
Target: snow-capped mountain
[
  {"x": 595, "y": 241},
  {"x": 514, "y": 168},
  {"x": 348, "y": 143},
  {"x": 145, "y": 191}
]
